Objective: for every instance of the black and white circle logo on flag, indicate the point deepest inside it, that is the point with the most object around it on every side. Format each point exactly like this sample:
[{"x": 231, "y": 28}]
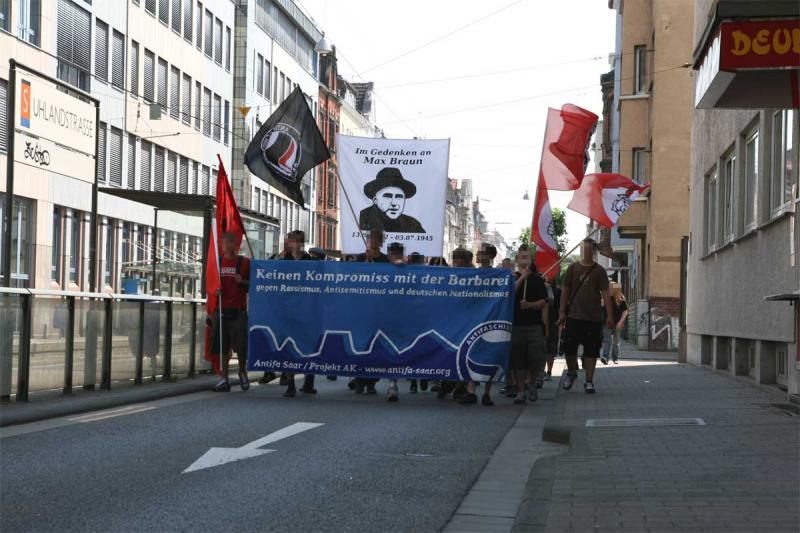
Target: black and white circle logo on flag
[{"x": 281, "y": 150}]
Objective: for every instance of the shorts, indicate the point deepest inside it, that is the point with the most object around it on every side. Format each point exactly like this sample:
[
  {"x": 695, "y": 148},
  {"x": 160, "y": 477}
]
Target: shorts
[
  {"x": 528, "y": 351},
  {"x": 584, "y": 333},
  {"x": 234, "y": 332}
]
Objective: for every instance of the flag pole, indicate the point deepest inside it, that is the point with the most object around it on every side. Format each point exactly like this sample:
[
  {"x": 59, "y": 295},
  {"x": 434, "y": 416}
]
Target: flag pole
[
  {"x": 567, "y": 254},
  {"x": 352, "y": 211}
]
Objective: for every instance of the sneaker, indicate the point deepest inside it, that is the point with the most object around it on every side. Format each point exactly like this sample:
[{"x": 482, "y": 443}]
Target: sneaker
[
  {"x": 520, "y": 398},
  {"x": 459, "y": 390},
  {"x": 588, "y": 387},
  {"x": 532, "y": 394},
  {"x": 604, "y": 360},
  {"x": 244, "y": 382},
  {"x": 569, "y": 379},
  {"x": 616, "y": 361},
  {"x": 284, "y": 380},
  {"x": 468, "y": 398},
  {"x": 222, "y": 386},
  {"x": 308, "y": 385},
  {"x": 423, "y": 385},
  {"x": 353, "y": 383},
  {"x": 511, "y": 391},
  {"x": 435, "y": 387},
  {"x": 548, "y": 376},
  {"x": 267, "y": 377},
  {"x": 487, "y": 400},
  {"x": 371, "y": 389},
  {"x": 413, "y": 388},
  {"x": 392, "y": 395},
  {"x": 291, "y": 392}
]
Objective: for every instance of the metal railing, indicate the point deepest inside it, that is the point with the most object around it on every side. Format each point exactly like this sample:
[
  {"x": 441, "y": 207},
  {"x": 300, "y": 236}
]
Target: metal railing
[{"x": 65, "y": 339}]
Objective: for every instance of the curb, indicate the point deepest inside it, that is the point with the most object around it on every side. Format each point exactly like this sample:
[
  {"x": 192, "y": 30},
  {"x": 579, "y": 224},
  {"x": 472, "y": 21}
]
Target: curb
[{"x": 12, "y": 414}]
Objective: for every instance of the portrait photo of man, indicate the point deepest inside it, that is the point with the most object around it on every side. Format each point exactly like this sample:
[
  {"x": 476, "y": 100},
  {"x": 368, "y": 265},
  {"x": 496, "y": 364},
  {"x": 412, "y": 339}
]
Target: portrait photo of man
[{"x": 389, "y": 192}]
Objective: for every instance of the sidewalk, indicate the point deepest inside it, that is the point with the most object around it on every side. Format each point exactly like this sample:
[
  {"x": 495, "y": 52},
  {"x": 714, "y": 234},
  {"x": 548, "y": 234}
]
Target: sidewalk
[{"x": 738, "y": 472}]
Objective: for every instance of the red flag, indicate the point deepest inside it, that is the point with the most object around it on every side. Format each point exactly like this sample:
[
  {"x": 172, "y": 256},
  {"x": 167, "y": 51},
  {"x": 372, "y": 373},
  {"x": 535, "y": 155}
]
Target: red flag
[
  {"x": 564, "y": 153},
  {"x": 604, "y": 197},
  {"x": 543, "y": 233},
  {"x": 228, "y": 220}
]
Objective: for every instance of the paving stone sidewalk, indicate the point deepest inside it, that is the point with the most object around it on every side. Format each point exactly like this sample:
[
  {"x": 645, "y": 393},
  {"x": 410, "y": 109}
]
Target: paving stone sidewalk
[{"x": 739, "y": 472}]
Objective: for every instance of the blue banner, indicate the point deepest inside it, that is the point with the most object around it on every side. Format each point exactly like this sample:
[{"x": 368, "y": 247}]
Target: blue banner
[{"x": 379, "y": 320}]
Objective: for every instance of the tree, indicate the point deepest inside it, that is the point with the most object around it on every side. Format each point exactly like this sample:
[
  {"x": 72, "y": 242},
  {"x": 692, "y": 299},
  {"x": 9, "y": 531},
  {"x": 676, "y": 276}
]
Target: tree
[{"x": 559, "y": 230}]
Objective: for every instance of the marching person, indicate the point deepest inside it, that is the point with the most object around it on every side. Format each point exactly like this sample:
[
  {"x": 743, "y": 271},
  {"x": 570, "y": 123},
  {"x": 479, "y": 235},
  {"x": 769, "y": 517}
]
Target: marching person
[
  {"x": 462, "y": 258},
  {"x": 372, "y": 254},
  {"x": 234, "y": 271},
  {"x": 295, "y": 251},
  {"x": 486, "y": 256},
  {"x": 529, "y": 327},
  {"x": 585, "y": 286},
  {"x": 396, "y": 257},
  {"x": 611, "y": 336}
]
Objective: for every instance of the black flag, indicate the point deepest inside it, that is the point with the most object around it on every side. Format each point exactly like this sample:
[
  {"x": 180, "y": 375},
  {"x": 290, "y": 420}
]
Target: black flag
[{"x": 287, "y": 146}]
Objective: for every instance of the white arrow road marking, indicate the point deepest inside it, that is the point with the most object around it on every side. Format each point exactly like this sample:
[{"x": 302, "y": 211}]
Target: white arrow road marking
[{"x": 220, "y": 456}]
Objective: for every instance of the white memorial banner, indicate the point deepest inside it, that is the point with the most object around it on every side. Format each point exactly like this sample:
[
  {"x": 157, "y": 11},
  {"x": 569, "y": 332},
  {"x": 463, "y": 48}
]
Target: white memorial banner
[{"x": 394, "y": 185}]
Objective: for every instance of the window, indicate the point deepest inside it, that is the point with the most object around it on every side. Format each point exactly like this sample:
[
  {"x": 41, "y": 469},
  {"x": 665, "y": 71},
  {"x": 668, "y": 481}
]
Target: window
[
  {"x": 209, "y": 33},
  {"x": 149, "y": 76},
  {"x": 199, "y": 32},
  {"x": 145, "y": 170},
  {"x": 283, "y": 89},
  {"x": 187, "y": 20},
  {"x": 101, "y": 152},
  {"x": 5, "y": 15},
  {"x": 639, "y": 165},
  {"x": 640, "y": 69},
  {"x": 205, "y": 180},
  {"x": 126, "y": 241},
  {"x": 163, "y": 11},
  {"x": 218, "y": 41},
  {"x": 172, "y": 171},
  {"x": 288, "y": 88},
  {"x": 55, "y": 261},
  {"x": 228, "y": 50},
  {"x": 101, "y": 51},
  {"x": 213, "y": 183},
  {"x": 118, "y": 60},
  {"x": 30, "y": 16},
  {"x": 275, "y": 81},
  {"x": 751, "y": 179},
  {"x": 186, "y": 108},
  {"x": 108, "y": 263},
  {"x": 158, "y": 170},
  {"x": 258, "y": 67},
  {"x": 75, "y": 246},
  {"x": 3, "y": 116},
  {"x": 183, "y": 182},
  {"x": 728, "y": 189},
  {"x": 131, "y": 162},
  {"x": 150, "y": 5},
  {"x": 176, "y": 16},
  {"x": 206, "y": 112},
  {"x": 134, "y": 68},
  {"x": 197, "y": 111},
  {"x": 267, "y": 79},
  {"x": 195, "y": 177},
  {"x": 711, "y": 211},
  {"x": 74, "y": 37},
  {"x": 162, "y": 83},
  {"x": 781, "y": 164},
  {"x": 226, "y": 122},
  {"x": 115, "y": 156},
  {"x": 174, "y": 93},
  {"x": 217, "y": 116}
]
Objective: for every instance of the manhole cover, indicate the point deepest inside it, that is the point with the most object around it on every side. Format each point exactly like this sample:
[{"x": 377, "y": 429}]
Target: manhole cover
[{"x": 638, "y": 422}]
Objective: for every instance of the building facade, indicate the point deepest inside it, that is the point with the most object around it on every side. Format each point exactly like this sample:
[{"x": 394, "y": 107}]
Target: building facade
[
  {"x": 330, "y": 102},
  {"x": 742, "y": 274},
  {"x": 162, "y": 73},
  {"x": 653, "y": 93}
]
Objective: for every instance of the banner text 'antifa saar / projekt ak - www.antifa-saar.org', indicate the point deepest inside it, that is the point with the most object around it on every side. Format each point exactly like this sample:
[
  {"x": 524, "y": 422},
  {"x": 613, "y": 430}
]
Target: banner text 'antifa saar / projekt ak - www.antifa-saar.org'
[{"x": 379, "y": 320}]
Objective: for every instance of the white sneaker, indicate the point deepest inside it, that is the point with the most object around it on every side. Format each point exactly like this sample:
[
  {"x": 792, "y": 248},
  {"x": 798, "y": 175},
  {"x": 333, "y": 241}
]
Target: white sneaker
[
  {"x": 392, "y": 395},
  {"x": 589, "y": 387}
]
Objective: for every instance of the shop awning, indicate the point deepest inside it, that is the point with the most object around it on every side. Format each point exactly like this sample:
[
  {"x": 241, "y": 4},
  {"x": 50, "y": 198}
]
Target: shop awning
[{"x": 749, "y": 56}]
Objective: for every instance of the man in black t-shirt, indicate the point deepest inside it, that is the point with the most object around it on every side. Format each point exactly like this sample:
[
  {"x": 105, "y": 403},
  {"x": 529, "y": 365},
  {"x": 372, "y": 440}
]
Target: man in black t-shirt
[{"x": 529, "y": 328}]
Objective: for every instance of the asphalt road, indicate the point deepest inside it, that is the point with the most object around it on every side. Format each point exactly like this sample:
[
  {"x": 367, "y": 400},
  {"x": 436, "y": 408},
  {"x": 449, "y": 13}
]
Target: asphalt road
[{"x": 372, "y": 466}]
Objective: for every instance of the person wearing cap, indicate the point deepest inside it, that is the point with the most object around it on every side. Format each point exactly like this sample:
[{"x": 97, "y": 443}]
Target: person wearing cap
[
  {"x": 486, "y": 256},
  {"x": 585, "y": 288},
  {"x": 389, "y": 192}
]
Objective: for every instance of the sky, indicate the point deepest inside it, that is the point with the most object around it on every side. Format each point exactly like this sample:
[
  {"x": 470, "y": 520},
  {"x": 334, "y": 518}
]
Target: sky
[{"x": 485, "y": 82}]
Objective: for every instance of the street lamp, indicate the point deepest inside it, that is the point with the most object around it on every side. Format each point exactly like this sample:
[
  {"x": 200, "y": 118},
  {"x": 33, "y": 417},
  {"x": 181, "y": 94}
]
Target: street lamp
[
  {"x": 526, "y": 197},
  {"x": 323, "y": 46}
]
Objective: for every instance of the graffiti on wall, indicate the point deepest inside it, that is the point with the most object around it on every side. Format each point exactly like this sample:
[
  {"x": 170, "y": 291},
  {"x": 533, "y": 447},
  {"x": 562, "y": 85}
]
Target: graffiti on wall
[{"x": 664, "y": 332}]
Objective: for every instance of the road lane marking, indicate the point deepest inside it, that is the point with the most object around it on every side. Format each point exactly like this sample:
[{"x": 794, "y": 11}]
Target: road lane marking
[
  {"x": 101, "y": 416},
  {"x": 219, "y": 456}
]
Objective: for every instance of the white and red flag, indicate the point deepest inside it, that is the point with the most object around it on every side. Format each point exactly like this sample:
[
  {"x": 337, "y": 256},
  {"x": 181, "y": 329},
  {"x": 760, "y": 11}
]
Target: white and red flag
[
  {"x": 543, "y": 233},
  {"x": 604, "y": 197},
  {"x": 565, "y": 150}
]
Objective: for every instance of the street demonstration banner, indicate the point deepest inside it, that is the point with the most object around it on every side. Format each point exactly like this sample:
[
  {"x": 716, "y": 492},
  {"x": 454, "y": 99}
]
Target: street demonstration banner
[
  {"x": 394, "y": 185},
  {"x": 379, "y": 320}
]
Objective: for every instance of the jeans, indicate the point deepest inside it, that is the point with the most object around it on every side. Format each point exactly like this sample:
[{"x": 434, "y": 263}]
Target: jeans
[{"x": 611, "y": 340}]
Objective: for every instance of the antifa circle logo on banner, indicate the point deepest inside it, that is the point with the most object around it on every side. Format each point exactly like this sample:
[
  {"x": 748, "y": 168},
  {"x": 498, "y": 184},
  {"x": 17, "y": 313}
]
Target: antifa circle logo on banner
[{"x": 287, "y": 146}]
